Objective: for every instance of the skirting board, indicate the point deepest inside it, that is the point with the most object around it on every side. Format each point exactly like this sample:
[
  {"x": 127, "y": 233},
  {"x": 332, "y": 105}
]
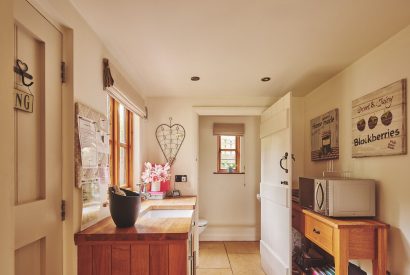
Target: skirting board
[{"x": 230, "y": 233}]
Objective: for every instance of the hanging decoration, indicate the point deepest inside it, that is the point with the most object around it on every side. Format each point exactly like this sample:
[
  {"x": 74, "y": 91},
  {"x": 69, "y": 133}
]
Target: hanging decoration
[
  {"x": 24, "y": 100},
  {"x": 21, "y": 68},
  {"x": 170, "y": 138}
]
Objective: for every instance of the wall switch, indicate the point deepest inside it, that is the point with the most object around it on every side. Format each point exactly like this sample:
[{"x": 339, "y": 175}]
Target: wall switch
[{"x": 181, "y": 178}]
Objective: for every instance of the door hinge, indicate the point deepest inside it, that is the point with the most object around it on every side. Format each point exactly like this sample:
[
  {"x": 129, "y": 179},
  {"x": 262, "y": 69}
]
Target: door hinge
[
  {"x": 63, "y": 210},
  {"x": 63, "y": 72}
]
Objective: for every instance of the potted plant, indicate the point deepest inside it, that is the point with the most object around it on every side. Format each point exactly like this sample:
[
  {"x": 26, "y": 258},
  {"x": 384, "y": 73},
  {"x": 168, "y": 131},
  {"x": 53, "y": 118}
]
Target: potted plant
[
  {"x": 154, "y": 174},
  {"x": 231, "y": 167}
]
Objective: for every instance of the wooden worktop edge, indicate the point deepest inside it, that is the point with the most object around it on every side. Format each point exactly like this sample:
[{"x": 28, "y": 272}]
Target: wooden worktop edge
[{"x": 348, "y": 222}]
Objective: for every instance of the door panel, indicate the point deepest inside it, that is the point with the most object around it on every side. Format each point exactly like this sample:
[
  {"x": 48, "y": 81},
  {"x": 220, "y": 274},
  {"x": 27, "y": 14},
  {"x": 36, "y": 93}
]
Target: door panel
[
  {"x": 30, "y": 155},
  {"x": 38, "y": 158},
  {"x": 30, "y": 258},
  {"x": 276, "y": 136}
]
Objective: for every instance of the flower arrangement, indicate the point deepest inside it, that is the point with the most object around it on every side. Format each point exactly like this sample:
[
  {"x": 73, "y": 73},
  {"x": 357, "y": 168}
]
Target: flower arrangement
[{"x": 155, "y": 174}]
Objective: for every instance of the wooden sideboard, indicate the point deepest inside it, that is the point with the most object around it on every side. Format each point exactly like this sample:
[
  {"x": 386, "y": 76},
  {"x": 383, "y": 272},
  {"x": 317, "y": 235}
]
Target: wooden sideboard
[{"x": 345, "y": 239}]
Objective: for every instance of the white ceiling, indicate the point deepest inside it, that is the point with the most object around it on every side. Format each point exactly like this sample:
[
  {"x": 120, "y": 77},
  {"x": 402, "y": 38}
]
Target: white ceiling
[{"x": 232, "y": 44}]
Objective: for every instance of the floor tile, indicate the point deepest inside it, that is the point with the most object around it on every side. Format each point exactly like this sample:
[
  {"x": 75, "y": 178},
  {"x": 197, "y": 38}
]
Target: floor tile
[
  {"x": 211, "y": 245},
  {"x": 242, "y": 247},
  {"x": 214, "y": 271},
  {"x": 245, "y": 264},
  {"x": 213, "y": 255}
]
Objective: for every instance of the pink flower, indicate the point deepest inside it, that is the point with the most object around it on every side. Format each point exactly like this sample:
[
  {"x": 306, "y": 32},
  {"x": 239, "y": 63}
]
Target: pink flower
[{"x": 155, "y": 172}]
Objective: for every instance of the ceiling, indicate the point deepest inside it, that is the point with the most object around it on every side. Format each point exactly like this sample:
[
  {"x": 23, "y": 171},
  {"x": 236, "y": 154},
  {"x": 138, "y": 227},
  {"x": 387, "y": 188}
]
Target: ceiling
[{"x": 232, "y": 44}]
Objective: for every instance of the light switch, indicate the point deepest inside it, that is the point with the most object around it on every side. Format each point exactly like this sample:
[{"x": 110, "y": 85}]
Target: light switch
[{"x": 181, "y": 178}]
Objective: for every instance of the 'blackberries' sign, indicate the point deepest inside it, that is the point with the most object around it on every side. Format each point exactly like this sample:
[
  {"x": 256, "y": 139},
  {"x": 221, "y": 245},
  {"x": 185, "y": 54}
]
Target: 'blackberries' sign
[{"x": 379, "y": 122}]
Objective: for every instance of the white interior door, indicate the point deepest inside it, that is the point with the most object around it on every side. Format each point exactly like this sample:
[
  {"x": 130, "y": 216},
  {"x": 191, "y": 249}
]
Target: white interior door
[
  {"x": 38, "y": 157},
  {"x": 275, "y": 187}
]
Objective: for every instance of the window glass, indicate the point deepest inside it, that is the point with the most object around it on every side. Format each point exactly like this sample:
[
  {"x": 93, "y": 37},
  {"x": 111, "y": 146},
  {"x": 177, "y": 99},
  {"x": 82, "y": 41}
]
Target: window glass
[
  {"x": 122, "y": 167},
  {"x": 228, "y": 142},
  {"x": 228, "y": 159},
  {"x": 121, "y": 122}
]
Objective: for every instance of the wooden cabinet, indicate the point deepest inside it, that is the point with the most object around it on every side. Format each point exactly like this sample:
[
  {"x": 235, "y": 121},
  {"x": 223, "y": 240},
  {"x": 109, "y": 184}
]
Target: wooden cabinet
[
  {"x": 153, "y": 246},
  {"x": 136, "y": 258},
  {"x": 345, "y": 239}
]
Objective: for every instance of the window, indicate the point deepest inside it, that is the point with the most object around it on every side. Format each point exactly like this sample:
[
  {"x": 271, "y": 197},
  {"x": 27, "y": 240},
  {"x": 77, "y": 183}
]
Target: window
[
  {"x": 121, "y": 145},
  {"x": 228, "y": 154}
]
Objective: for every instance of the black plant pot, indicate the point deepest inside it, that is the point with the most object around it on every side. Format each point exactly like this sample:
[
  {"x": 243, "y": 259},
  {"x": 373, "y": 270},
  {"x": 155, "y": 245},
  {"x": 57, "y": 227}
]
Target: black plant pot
[{"x": 124, "y": 209}]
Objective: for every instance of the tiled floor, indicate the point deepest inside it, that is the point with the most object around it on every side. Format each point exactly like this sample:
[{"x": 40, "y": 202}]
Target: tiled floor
[{"x": 229, "y": 258}]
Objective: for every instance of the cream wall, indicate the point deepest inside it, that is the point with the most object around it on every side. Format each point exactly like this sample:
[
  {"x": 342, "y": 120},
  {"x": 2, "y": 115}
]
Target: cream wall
[
  {"x": 386, "y": 64},
  {"x": 6, "y": 150},
  {"x": 183, "y": 112},
  {"x": 229, "y": 202}
]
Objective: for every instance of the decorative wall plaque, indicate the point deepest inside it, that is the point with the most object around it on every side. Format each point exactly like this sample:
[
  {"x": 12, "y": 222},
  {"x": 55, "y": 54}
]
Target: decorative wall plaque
[
  {"x": 24, "y": 101},
  {"x": 324, "y": 131},
  {"x": 379, "y": 122}
]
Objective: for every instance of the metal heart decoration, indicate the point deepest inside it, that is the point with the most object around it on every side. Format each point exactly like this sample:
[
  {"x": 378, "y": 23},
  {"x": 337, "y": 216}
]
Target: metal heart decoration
[{"x": 170, "y": 138}]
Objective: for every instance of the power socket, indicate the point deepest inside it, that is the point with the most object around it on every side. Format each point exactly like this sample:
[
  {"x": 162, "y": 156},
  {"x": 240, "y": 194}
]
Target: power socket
[{"x": 181, "y": 178}]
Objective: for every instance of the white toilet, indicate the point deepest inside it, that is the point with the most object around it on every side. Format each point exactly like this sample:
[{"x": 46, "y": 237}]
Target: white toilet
[{"x": 202, "y": 224}]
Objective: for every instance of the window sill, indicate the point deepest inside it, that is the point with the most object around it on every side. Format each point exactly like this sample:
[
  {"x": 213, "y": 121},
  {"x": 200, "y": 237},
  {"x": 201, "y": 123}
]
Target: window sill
[{"x": 227, "y": 173}]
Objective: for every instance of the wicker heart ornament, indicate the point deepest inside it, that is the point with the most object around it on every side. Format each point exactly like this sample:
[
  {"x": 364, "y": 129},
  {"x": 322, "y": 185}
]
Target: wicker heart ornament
[{"x": 170, "y": 138}]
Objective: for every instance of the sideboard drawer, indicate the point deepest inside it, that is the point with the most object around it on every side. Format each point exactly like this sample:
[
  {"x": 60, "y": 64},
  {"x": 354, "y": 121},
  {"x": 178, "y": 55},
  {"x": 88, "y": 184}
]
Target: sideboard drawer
[{"x": 319, "y": 233}]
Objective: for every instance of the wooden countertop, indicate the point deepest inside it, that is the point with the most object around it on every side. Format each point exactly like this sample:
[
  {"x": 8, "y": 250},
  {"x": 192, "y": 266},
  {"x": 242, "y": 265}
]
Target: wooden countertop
[
  {"x": 145, "y": 229},
  {"x": 346, "y": 222}
]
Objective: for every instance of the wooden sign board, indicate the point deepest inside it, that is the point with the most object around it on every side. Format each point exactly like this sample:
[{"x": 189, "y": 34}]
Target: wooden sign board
[
  {"x": 379, "y": 124},
  {"x": 24, "y": 101},
  {"x": 324, "y": 132}
]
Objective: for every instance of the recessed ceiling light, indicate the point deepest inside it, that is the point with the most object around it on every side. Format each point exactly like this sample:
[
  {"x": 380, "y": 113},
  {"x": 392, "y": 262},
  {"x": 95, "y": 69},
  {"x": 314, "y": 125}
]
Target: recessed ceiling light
[
  {"x": 264, "y": 79},
  {"x": 195, "y": 78}
]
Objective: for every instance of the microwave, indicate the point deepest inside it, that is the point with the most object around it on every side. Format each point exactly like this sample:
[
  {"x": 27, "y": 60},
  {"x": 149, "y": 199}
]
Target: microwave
[{"x": 338, "y": 197}]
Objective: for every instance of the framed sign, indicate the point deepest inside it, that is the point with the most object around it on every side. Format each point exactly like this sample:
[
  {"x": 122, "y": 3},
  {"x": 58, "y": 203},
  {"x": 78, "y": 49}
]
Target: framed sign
[
  {"x": 379, "y": 122},
  {"x": 324, "y": 132},
  {"x": 24, "y": 101}
]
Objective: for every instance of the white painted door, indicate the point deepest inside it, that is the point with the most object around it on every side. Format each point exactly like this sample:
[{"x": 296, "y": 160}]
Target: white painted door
[
  {"x": 38, "y": 158},
  {"x": 275, "y": 187}
]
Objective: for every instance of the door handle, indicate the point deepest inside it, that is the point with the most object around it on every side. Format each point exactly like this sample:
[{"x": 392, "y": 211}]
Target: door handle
[
  {"x": 284, "y": 182},
  {"x": 258, "y": 197},
  {"x": 285, "y": 157}
]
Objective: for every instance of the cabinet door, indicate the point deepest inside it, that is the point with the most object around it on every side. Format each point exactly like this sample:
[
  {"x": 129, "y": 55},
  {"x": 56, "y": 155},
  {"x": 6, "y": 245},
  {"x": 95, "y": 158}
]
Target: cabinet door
[
  {"x": 178, "y": 264},
  {"x": 158, "y": 259},
  {"x": 140, "y": 259}
]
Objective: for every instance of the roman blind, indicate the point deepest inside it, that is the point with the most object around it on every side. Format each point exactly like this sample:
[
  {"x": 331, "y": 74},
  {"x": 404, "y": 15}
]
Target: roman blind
[
  {"x": 229, "y": 129},
  {"x": 118, "y": 88}
]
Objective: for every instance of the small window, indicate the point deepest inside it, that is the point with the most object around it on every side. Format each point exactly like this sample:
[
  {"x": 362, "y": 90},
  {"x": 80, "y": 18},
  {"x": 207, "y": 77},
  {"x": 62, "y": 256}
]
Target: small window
[
  {"x": 228, "y": 154},
  {"x": 121, "y": 145}
]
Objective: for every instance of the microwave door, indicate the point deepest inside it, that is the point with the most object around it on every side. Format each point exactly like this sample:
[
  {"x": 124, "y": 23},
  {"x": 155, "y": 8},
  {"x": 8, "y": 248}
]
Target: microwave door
[{"x": 319, "y": 198}]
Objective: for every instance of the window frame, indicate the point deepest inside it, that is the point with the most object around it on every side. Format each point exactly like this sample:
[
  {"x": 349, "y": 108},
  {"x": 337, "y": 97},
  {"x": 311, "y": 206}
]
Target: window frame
[
  {"x": 116, "y": 144},
  {"x": 237, "y": 151}
]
